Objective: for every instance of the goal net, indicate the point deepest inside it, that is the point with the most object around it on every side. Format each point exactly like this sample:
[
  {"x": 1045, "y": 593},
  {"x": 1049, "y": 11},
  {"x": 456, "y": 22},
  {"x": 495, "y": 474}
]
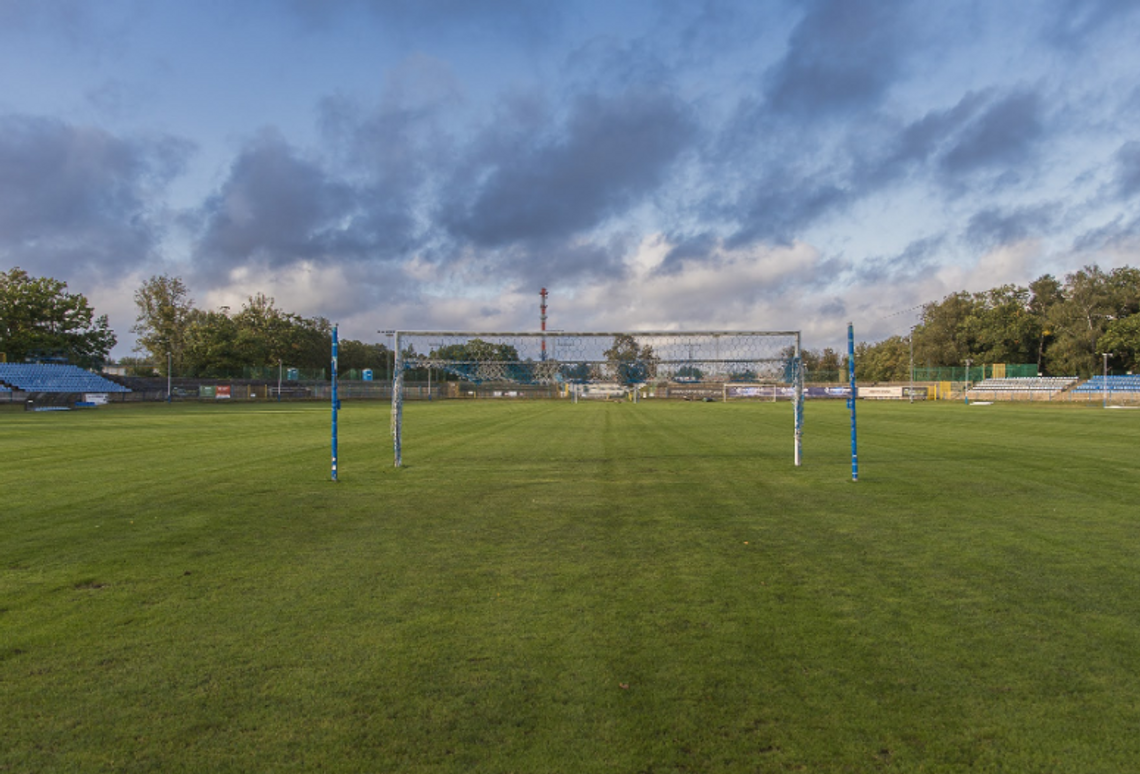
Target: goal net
[{"x": 576, "y": 360}]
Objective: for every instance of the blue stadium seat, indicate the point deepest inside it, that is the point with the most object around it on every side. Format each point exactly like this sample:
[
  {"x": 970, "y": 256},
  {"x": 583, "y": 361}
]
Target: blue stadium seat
[
  {"x": 1049, "y": 385},
  {"x": 1111, "y": 384},
  {"x": 30, "y": 377}
]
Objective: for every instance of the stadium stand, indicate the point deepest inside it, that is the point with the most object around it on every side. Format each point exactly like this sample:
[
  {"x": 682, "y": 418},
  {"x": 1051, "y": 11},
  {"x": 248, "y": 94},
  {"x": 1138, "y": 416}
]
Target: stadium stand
[
  {"x": 42, "y": 378},
  {"x": 1111, "y": 384},
  {"x": 1015, "y": 388}
]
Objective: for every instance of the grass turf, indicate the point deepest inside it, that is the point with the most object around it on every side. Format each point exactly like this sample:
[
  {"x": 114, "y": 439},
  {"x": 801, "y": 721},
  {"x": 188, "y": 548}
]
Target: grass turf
[{"x": 548, "y": 587}]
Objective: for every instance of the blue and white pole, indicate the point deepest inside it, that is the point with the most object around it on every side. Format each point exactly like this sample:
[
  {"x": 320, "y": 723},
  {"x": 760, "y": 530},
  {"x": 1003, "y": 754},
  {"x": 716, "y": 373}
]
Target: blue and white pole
[
  {"x": 798, "y": 399},
  {"x": 335, "y": 399},
  {"x": 851, "y": 401}
]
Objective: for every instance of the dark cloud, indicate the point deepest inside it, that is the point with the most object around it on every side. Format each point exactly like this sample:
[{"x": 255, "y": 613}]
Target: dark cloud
[
  {"x": 791, "y": 189},
  {"x": 1128, "y": 169},
  {"x": 918, "y": 141},
  {"x": 77, "y": 199},
  {"x": 915, "y": 261},
  {"x": 783, "y": 203},
  {"x": 276, "y": 207},
  {"x": 843, "y": 55},
  {"x": 691, "y": 248},
  {"x": 1001, "y": 138},
  {"x": 279, "y": 206},
  {"x": 612, "y": 153},
  {"x": 835, "y": 308},
  {"x": 1119, "y": 233},
  {"x": 996, "y": 226},
  {"x": 398, "y": 141},
  {"x": 558, "y": 261}
]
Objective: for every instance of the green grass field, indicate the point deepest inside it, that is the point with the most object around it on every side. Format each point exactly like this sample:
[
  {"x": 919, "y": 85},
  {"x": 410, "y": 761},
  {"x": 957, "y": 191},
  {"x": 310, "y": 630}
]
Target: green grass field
[{"x": 555, "y": 588}]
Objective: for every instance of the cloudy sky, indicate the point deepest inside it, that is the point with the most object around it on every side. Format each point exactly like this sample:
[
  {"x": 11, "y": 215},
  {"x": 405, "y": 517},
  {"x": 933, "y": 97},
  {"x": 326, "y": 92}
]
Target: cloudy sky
[{"x": 657, "y": 164}]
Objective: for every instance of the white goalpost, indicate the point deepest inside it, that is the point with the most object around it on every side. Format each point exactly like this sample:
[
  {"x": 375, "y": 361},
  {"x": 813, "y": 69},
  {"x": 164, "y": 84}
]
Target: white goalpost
[{"x": 630, "y": 358}]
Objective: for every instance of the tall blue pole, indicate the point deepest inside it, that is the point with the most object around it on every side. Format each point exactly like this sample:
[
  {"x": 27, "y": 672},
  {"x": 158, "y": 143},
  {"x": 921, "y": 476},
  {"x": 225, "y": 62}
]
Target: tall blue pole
[
  {"x": 335, "y": 399},
  {"x": 854, "y": 395}
]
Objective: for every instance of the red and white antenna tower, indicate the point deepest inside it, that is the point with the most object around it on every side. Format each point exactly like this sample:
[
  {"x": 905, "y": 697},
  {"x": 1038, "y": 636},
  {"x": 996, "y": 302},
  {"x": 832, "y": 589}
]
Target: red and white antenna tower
[{"x": 542, "y": 308}]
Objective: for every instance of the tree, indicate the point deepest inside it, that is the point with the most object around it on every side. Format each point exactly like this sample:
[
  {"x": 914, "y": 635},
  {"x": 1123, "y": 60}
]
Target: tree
[
  {"x": 1092, "y": 300},
  {"x": 1122, "y": 339},
  {"x": 310, "y": 343},
  {"x": 40, "y": 319},
  {"x": 210, "y": 344},
  {"x": 474, "y": 359},
  {"x": 629, "y": 362},
  {"x": 822, "y": 366},
  {"x": 942, "y": 338},
  {"x": 1002, "y": 327},
  {"x": 164, "y": 311},
  {"x": 266, "y": 335},
  {"x": 885, "y": 361},
  {"x": 478, "y": 351},
  {"x": 258, "y": 336},
  {"x": 1064, "y": 329},
  {"x": 1045, "y": 293},
  {"x": 357, "y": 355}
]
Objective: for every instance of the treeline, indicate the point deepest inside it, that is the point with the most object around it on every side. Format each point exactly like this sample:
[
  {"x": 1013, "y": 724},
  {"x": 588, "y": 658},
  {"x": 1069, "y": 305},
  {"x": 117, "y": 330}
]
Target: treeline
[
  {"x": 1062, "y": 328},
  {"x": 41, "y": 321},
  {"x": 173, "y": 333}
]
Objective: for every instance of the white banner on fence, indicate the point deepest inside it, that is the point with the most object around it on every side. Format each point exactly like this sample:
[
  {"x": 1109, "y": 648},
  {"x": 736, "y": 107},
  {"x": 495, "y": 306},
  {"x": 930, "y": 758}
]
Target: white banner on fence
[{"x": 881, "y": 393}]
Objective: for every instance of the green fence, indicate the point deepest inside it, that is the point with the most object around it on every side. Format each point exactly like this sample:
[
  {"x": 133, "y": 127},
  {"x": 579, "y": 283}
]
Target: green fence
[
  {"x": 976, "y": 373},
  {"x": 942, "y": 374}
]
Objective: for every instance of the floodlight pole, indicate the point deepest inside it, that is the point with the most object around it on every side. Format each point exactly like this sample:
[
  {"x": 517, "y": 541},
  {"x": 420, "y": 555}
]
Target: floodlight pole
[
  {"x": 280, "y": 367},
  {"x": 966, "y": 382},
  {"x": 169, "y": 372}
]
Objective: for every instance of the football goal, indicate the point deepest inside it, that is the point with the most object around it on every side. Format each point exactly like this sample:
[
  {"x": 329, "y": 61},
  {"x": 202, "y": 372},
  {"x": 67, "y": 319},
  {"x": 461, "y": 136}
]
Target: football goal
[{"x": 573, "y": 362}]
